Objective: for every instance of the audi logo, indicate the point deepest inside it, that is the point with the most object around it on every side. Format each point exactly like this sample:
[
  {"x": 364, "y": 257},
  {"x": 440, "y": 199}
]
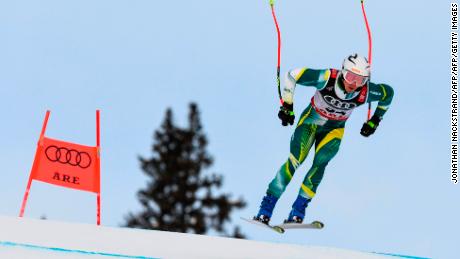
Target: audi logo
[
  {"x": 338, "y": 104},
  {"x": 68, "y": 156}
]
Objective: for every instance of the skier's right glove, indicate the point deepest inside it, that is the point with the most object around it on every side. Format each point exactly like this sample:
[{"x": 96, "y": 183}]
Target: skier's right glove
[{"x": 286, "y": 114}]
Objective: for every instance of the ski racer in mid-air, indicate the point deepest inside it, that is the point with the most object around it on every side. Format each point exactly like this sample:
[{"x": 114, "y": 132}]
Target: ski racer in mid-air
[{"x": 338, "y": 93}]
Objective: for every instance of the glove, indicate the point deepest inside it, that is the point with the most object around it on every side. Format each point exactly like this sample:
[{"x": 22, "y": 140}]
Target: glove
[
  {"x": 370, "y": 126},
  {"x": 286, "y": 114}
]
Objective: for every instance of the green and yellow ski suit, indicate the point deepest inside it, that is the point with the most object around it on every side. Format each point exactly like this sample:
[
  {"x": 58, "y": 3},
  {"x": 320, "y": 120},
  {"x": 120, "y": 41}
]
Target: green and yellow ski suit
[{"x": 322, "y": 123}]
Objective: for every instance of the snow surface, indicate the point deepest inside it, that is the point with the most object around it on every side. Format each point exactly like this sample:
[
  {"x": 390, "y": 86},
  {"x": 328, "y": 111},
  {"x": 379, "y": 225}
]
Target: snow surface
[{"x": 32, "y": 239}]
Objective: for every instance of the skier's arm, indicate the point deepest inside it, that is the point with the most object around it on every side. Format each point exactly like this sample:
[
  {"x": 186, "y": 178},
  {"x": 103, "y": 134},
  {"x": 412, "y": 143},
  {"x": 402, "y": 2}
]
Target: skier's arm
[
  {"x": 303, "y": 76},
  {"x": 384, "y": 95}
]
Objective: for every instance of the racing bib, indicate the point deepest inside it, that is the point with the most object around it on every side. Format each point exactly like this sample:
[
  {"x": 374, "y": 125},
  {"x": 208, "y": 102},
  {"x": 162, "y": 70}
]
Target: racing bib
[{"x": 329, "y": 105}]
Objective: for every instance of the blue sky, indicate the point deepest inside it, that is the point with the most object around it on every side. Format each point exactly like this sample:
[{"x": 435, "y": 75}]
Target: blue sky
[{"x": 133, "y": 59}]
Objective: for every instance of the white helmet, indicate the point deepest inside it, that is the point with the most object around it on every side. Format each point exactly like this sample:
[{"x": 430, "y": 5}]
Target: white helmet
[{"x": 358, "y": 66}]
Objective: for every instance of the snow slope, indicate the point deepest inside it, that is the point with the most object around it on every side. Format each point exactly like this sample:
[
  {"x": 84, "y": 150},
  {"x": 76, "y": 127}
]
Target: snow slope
[{"x": 31, "y": 239}]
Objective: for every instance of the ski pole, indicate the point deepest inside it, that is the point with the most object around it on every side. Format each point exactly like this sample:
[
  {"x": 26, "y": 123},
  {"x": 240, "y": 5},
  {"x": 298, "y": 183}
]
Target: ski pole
[
  {"x": 369, "y": 37},
  {"x": 272, "y": 3}
]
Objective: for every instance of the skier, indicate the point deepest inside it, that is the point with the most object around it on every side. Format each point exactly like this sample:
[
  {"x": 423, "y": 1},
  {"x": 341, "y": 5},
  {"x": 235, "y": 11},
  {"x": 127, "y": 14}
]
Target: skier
[{"x": 338, "y": 93}]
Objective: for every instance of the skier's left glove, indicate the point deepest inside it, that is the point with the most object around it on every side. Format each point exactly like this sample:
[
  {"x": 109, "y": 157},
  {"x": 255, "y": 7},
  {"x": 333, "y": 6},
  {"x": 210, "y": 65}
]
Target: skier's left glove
[
  {"x": 286, "y": 114},
  {"x": 370, "y": 126}
]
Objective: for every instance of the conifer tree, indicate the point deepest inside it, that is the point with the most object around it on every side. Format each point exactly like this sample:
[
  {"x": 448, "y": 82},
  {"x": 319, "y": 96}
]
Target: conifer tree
[{"x": 179, "y": 196}]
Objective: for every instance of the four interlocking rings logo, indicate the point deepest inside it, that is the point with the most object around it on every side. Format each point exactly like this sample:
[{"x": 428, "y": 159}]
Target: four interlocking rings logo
[{"x": 68, "y": 156}]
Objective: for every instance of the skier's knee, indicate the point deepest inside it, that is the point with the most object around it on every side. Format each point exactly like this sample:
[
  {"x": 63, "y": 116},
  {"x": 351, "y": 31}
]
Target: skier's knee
[{"x": 294, "y": 161}]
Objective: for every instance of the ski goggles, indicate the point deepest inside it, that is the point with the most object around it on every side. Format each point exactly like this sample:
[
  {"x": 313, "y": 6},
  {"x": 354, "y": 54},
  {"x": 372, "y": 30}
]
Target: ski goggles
[{"x": 353, "y": 78}]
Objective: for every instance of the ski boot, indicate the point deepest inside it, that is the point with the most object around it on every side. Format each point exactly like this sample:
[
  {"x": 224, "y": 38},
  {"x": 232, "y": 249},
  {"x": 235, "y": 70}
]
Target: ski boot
[
  {"x": 266, "y": 209},
  {"x": 298, "y": 210}
]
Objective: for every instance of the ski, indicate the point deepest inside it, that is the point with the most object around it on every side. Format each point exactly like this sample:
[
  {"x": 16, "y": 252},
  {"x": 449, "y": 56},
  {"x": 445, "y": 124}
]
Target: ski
[
  {"x": 312, "y": 225},
  {"x": 277, "y": 229}
]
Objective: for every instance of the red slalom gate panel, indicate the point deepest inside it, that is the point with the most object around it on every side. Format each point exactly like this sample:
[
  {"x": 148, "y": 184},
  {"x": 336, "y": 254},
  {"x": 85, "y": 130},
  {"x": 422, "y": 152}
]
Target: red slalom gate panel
[{"x": 66, "y": 164}]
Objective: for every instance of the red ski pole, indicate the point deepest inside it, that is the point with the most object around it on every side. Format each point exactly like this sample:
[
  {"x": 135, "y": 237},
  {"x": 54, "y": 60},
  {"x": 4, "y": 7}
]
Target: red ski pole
[
  {"x": 369, "y": 51},
  {"x": 272, "y": 3}
]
